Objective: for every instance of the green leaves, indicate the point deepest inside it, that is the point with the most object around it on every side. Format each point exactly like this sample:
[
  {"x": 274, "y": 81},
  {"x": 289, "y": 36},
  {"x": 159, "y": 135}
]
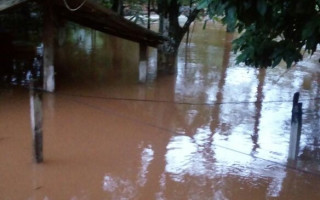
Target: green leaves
[
  {"x": 271, "y": 30},
  {"x": 258, "y": 49},
  {"x": 203, "y": 4},
  {"x": 230, "y": 18},
  {"x": 311, "y": 34}
]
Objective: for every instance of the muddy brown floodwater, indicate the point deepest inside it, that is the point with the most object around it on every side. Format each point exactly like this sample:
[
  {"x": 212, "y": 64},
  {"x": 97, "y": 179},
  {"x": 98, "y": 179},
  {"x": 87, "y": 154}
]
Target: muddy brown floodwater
[{"x": 215, "y": 130}]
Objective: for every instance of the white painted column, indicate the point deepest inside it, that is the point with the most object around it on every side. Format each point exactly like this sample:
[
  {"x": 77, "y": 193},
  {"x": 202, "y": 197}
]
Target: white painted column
[
  {"x": 143, "y": 63},
  {"x": 48, "y": 51}
]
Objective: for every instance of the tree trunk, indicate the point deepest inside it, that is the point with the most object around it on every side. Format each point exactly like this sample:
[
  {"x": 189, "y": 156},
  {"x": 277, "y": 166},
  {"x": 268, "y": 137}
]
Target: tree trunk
[
  {"x": 169, "y": 27},
  {"x": 117, "y": 6}
]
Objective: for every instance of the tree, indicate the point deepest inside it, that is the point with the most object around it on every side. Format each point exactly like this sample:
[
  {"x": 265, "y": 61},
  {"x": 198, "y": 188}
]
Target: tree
[
  {"x": 271, "y": 30},
  {"x": 169, "y": 11}
]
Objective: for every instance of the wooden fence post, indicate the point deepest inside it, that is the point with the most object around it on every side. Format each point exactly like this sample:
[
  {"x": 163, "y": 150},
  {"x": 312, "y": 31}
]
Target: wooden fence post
[
  {"x": 296, "y": 124},
  {"x": 36, "y": 122}
]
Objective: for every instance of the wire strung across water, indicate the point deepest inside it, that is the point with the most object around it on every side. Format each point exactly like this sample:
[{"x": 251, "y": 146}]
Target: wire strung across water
[
  {"x": 173, "y": 132},
  {"x": 184, "y": 103}
]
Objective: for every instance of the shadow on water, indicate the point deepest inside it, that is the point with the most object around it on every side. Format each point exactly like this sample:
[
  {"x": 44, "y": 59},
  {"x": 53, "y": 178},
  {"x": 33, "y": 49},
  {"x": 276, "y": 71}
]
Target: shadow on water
[{"x": 215, "y": 130}]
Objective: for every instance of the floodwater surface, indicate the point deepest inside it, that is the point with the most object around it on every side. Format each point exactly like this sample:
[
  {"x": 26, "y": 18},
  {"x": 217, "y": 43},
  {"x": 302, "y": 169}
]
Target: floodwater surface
[{"x": 214, "y": 130}]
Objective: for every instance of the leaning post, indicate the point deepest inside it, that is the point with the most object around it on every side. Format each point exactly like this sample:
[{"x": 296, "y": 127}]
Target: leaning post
[
  {"x": 36, "y": 122},
  {"x": 296, "y": 125},
  {"x": 143, "y": 63}
]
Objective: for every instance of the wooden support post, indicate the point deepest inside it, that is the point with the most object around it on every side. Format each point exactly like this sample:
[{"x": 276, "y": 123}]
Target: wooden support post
[
  {"x": 143, "y": 63},
  {"x": 49, "y": 33},
  {"x": 36, "y": 122},
  {"x": 296, "y": 124}
]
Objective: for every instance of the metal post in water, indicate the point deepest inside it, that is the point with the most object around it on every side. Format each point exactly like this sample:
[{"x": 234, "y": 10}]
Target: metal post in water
[
  {"x": 36, "y": 122},
  {"x": 296, "y": 124}
]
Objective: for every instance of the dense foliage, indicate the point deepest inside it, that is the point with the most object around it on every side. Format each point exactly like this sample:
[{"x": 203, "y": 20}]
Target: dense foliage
[{"x": 272, "y": 30}]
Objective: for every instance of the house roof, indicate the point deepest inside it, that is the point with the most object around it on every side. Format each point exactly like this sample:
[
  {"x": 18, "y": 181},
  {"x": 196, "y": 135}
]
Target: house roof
[{"x": 92, "y": 15}]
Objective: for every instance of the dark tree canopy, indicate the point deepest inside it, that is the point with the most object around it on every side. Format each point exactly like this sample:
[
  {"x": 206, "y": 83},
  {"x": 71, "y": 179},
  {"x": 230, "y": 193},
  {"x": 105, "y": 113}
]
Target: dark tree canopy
[{"x": 271, "y": 30}]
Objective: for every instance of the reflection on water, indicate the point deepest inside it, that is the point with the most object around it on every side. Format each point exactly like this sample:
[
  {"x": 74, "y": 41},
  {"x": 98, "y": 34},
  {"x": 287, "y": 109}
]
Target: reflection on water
[
  {"x": 215, "y": 130},
  {"x": 120, "y": 188}
]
